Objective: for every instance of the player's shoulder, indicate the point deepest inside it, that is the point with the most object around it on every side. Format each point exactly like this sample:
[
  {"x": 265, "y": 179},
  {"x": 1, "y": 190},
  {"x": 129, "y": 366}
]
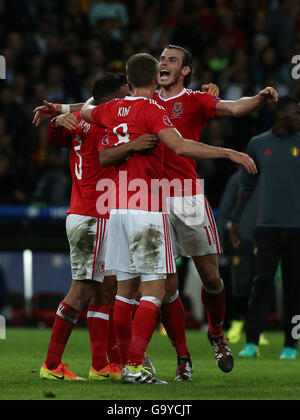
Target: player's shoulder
[
  {"x": 151, "y": 103},
  {"x": 200, "y": 96}
]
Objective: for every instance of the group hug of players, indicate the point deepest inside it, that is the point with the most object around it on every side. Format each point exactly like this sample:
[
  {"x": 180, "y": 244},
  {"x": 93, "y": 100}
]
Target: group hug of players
[{"x": 125, "y": 231}]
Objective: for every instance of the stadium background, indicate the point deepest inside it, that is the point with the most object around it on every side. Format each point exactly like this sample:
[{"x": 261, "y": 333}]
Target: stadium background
[{"x": 54, "y": 49}]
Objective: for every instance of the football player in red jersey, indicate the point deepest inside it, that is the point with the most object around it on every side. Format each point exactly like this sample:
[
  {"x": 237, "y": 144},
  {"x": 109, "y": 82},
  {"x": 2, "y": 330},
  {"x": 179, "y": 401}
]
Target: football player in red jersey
[
  {"x": 92, "y": 285},
  {"x": 139, "y": 243},
  {"x": 189, "y": 112}
]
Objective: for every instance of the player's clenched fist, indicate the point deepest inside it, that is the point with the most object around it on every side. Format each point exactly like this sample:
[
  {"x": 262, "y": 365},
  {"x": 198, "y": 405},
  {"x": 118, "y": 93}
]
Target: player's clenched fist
[
  {"x": 68, "y": 121},
  {"x": 211, "y": 88},
  {"x": 268, "y": 95}
]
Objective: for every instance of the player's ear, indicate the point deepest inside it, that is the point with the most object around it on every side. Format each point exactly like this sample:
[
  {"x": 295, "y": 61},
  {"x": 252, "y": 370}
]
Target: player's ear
[{"x": 185, "y": 70}]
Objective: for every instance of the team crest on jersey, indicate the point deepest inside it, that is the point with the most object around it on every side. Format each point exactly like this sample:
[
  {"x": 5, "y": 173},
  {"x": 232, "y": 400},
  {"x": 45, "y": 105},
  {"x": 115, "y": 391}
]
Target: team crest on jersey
[
  {"x": 177, "y": 107},
  {"x": 101, "y": 267},
  {"x": 105, "y": 141},
  {"x": 295, "y": 151},
  {"x": 177, "y": 110}
]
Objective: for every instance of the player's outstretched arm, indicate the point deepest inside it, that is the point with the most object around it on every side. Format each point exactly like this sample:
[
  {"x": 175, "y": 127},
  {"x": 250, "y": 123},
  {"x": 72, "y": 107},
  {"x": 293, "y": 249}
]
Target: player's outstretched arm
[
  {"x": 87, "y": 109},
  {"x": 50, "y": 110},
  {"x": 189, "y": 148},
  {"x": 246, "y": 106},
  {"x": 111, "y": 156}
]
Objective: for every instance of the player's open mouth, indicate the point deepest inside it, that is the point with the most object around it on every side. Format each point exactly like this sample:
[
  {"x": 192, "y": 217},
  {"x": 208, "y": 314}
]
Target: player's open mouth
[{"x": 164, "y": 73}]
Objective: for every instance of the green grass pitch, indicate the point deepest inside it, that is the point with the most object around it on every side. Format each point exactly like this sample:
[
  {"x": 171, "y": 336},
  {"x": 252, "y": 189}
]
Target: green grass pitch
[{"x": 267, "y": 378}]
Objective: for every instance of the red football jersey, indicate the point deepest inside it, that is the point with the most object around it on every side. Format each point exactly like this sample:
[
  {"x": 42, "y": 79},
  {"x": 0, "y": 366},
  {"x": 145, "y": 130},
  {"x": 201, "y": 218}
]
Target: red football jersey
[
  {"x": 189, "y": 112},
  {"x": 84, "y": 143},
  {"x": 126, "y": 120}
]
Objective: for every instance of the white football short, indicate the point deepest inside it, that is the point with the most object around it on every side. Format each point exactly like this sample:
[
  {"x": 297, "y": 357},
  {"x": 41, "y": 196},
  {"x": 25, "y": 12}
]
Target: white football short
[
  {"x": 193, "y": 227},
  {"x": 87, "y": 238},
  {"x": 139, "y": 244}
]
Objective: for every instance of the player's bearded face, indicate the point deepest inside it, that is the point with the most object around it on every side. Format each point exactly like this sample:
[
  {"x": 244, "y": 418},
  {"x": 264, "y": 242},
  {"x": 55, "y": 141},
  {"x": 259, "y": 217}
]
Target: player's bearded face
[
  {"x": 170, "y": 77},
  {"x": 169, "y": 69}
]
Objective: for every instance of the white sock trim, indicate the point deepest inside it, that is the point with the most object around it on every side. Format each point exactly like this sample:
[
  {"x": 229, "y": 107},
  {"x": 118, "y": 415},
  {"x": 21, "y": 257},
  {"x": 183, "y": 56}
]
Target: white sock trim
[
  {"x": 172, "y": 298},
  {"x": 152, "y": 299},
  {"x": 100, "y": 315},
  {"x": 125, "y": 300}
]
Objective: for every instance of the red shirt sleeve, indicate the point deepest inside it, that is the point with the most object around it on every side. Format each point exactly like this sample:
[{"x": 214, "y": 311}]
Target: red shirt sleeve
[
  {"x": 59, "y": 136},
  {"x": 157, "y": 118},
  {"x": 207, "y": 104},
  {"x": 97, "y": 114}
]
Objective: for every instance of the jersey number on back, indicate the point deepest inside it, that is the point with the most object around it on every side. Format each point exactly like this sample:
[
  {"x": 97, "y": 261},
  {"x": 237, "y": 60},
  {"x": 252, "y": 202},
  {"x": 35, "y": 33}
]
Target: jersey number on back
[
  {"x": 78, "y": 167},
  {"x": 121, "y": 131}
]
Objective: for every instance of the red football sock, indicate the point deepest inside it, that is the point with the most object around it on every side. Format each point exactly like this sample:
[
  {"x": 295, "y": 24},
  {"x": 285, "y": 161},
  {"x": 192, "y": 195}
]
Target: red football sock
[
  {"x": 215, "y": 305},
  {"x": 144, "y": 324},
  {"x": 98, "y": 323},
  {"x": 173, "y": 319},
  {"x": 112, "y": 348},
  {"x": 123, "y": 326},
  {"x": 65, "y": 320}
]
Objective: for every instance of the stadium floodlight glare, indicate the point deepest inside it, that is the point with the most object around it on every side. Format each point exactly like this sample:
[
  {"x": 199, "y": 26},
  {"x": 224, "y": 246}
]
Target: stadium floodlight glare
[{"x": 28, "y": 281}]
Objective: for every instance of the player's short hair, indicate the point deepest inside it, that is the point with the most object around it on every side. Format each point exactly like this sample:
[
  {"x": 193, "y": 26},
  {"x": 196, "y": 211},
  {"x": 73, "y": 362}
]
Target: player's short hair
[
  {"x": 284, "y": 102},
  {"x": 106, "y": 84},
  {"x": 142, "y": 70},
  {"x": 187, "y": 61}
]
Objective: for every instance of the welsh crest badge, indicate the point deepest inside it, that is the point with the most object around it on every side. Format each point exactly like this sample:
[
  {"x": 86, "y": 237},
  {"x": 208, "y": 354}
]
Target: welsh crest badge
[{"x": 177, "y": 107}]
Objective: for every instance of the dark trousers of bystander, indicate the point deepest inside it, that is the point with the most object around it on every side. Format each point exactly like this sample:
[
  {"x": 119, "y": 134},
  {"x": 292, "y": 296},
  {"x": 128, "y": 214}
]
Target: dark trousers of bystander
[{"x": 275, "y": 245}]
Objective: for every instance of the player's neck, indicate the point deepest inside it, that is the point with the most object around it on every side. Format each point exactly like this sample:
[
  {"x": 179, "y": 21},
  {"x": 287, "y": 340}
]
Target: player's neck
[
  {"x": 171, "y": 91},
  {"x": 143, "y": 92}
]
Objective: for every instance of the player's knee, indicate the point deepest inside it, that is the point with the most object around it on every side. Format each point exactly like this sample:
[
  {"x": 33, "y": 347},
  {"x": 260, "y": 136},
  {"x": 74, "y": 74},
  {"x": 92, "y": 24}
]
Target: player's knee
[
  {"x": 171, "y": 286},
  {"x": 212, "y": 281}
]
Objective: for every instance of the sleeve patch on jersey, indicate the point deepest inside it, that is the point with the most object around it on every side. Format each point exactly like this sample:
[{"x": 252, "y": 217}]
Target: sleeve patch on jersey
[
  {"x": 216, "y": 99},
  {"x": 167, "y": 121},
  {"x": 105, "y": 141}
]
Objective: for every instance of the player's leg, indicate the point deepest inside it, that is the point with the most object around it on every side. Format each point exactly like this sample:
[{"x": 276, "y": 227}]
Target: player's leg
[
  {"x": 65, "y": 320},
  {"x": 98, "y": 321},
  {"x": 100, "y": 310},
  {"x": 199, "y": 238},
  {"x": 242, "y": 277},
  {"x": 214, "y": 301},
  {"x": 108, "y": 297},
  {"x": 143, "y": 326},
  {"x": 123, "y": 310},
  {"x": 173, "y": 319},
  {"x": 291, "y": 290},
  {"x": 266, "y": 260}
]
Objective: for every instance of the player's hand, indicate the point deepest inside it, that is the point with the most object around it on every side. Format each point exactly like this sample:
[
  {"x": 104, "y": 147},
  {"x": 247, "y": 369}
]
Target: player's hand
[
  {"x": 68, "y": 121},
  {"x": 144, "y": 143},
  {"x": 244, "y": 160},
  {"x": 45, "y": 112},
  {"x": 268, "y": 95},
  {"x": 234, "y": 235},
  {"x": 211, "y": 88}
]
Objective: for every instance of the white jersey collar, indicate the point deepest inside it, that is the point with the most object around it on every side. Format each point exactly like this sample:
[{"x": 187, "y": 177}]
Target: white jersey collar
[
  {"x": 134, "y": 98},
  {"x": 173, "y": 97}
]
